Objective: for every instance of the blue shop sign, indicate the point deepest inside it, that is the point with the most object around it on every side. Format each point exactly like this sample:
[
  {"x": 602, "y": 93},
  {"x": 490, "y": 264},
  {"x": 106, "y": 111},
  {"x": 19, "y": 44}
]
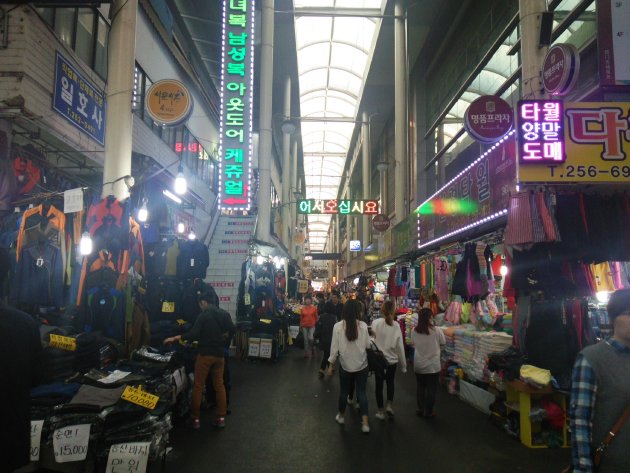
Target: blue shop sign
[{"x": 78, "y": 101}]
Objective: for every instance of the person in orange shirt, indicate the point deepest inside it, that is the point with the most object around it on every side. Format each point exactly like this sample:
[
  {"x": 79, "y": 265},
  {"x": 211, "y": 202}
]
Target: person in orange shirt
[{"x": 308, "y": 320}]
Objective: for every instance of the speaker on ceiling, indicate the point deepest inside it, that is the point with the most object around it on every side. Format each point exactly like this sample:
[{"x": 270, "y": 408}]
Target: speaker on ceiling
[{"x": 546, "y": 27}]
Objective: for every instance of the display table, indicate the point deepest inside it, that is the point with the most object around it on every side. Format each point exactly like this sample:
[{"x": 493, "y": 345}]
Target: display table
[{"x": 519, "y": 399}]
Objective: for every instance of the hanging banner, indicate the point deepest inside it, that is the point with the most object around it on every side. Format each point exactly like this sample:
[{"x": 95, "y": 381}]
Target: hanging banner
[
  {"x": 596, "y": 145},
  {"x": 486, "y": 184},
  {"x": 613, "y": 41},
  {"x": 237, "y": 83},
  {"x": 78, "y": 100}
]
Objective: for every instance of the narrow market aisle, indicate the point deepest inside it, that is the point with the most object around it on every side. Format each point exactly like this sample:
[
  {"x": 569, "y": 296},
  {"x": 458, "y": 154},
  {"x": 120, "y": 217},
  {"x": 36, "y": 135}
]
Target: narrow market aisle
[{"x": 282, "y": 421}]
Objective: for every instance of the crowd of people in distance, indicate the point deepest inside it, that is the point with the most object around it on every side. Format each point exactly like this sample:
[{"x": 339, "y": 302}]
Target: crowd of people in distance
[{"x": 341, "y": 328}]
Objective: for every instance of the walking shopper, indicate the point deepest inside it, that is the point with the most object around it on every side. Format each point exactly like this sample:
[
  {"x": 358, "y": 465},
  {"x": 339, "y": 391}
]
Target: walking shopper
[
  {"x": 388, "y": 339},
  {"x": 212, "y": 328},
  {"x": 600, "y": 394},
  {"x": 324, "y": 332},
  {"x": 349, "y": 342},
  {"x": 334, "y": 305},
  {"x": 426, "y": 341},
  {"x": 308, "y": 320}
]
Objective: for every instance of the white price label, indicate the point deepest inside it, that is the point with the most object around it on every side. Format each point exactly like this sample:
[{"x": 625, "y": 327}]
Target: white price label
[
  {"x": 265, "y": 348},
  {"x": 70, "y": 443},
  {"x": 36, "y": 437},
  {"x": 73, "y": 200},
  {"x": 126, "y": 457}
]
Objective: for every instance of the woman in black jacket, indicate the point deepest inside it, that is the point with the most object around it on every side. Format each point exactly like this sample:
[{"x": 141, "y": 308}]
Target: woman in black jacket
[{"x": 323, "y": 332}]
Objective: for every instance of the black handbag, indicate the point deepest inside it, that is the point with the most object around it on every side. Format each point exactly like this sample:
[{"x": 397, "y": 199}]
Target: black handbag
[{"x": 377, "y": 363}]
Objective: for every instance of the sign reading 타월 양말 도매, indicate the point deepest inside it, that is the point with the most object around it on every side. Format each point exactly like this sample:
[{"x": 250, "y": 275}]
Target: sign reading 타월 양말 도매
[
  {"x": 237, "y": 82},
  {"x": 480, "y": 191},
  {"x": 596, "y": 146}
]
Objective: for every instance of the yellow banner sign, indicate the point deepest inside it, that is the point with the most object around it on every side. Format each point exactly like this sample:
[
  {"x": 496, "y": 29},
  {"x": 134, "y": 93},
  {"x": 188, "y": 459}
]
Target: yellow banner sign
[
  {"x": 597, "y": 144},
  {"x": 168, "y": 307},
  {"x": 140, "y": 397},
  {"x": 63, "y": 343}
]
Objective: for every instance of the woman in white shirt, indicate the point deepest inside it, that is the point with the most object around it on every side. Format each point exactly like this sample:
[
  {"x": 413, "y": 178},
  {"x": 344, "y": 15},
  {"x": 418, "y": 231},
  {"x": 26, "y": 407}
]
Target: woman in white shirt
[
  {"x": 388, "y": 339},
  {"x": 349, "y": 342},
  {"x": 426, "y": 361}
]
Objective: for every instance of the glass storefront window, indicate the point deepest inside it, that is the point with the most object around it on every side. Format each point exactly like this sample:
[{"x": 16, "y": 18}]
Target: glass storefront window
[
  {"x": 85, "y": 34},
  {"x": 100, "y": 53},
  {"x": 65, "y": 24}
]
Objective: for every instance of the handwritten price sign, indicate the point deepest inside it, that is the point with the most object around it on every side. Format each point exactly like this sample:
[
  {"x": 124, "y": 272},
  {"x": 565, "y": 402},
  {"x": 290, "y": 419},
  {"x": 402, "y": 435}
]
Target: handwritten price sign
[
  {"x": 70, "y": 443},
  {"x": 126, "y": 457},
  {"x": 63, "y": 343},
  {"x": 139, "y": 397}
]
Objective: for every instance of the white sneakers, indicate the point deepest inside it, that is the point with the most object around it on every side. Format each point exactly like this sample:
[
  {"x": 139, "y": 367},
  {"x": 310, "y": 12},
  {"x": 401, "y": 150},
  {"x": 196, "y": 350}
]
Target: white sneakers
[
  {"x": 365, "y": 428},
  {"x": 380, "y": 415},
  {"x": 389, "y": 410},
  {"x": 339, "y": 419}
]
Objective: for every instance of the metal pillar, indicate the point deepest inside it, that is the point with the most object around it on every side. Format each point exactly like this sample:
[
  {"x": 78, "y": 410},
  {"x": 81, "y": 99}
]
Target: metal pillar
[
  {"x": 119, "y": 118},
  {"x": 294, "y": 187},
  {"x": 400, "y": 113},
  {"x": 532, "y": 55},
  {"x": 265, "y": 141},
  {"x": 286, "y": 170},
  {"x": 365, "y": 165}
]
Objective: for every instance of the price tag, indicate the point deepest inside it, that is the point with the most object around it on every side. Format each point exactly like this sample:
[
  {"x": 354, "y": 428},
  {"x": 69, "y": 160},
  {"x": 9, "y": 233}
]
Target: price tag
[
  {"x": 265, "y": 348},
  {"x": 180, "y": 322},
  {"x": 254, "y": 347},
  {"x": 168, "y": 307},
  {"x": 192, "y": 262},
  {"x": 63, "y": 343},
  {"x": 126, "y": 457},
  {"x": 140, "y": 397},
  {"x": 73, "y": 200},
  {"x": 70, "y": 443},
  {"x": 36, "y": 437},
  {"x": 248, "y": 299}
]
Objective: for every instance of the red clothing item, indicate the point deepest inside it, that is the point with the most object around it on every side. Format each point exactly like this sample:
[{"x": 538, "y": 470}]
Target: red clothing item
[{"x": 308, "y": 316}]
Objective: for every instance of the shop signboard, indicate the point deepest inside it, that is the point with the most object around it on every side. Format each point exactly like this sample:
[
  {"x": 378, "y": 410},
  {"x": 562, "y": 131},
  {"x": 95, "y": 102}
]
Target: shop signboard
[
  {"x": 78, "y": 100},
  {"x": 613, "y": 42},
  {"x": 488, "y": 119},
  {"x": 539, "y": 128},
  {"x": 486, "y": 183},
  {"x": 597, "y": 144},
  {"x": 338, "y": 207},
  {"x": 380, "y": 222},
  {"x": 355, "y": 245},
  {"x": 169, "y": 102},
  {"x": 237, "y": 83},
  {"x": 561, "y": 68},
  {"x": 404, "y": 236}
]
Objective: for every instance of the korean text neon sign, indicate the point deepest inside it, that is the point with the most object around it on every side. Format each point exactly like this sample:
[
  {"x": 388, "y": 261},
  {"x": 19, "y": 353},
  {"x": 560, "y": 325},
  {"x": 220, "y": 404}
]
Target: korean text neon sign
[
  {"x": 334, "y": 207},
  {"x": 540, "y": 131},
  {"x": 237, "y": 81}
]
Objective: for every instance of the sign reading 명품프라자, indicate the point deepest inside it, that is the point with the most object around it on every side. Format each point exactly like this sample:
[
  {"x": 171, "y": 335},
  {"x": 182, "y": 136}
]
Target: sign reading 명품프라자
[
  {"x": 380, "y": 222},
  {"x": 488, "y": 119},
  {"x": 561, "y": 68},
  {"x": 596, "y": 146},
  {"x": 169, "y": 102},
  {"x": 237, "y": 82}
]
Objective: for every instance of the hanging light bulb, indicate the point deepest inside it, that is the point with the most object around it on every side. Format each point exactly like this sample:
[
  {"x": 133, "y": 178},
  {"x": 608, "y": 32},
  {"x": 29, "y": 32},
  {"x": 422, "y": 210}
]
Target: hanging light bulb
[
  {"x": 260, "y": 260},
  {"x": 602, "y": 297},
  {"x": 191, "y": 235},
  {"x": 181, "y": 186},
  {"x": 503, "y": 270},
  {"x": 85, "y": 245},
  {"x": 181, "y": 228},
  {"x": 143, "y": 212}
]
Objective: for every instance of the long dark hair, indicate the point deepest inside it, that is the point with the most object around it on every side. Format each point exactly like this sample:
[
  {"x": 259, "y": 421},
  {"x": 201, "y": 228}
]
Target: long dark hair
[
  {"x": 351, "y": 315},
  {"x": 425, "y": 321},
  {"x": 388, "y": 311}
]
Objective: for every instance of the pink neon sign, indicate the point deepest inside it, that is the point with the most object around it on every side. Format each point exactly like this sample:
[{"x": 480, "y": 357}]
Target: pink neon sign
[{"x": 540, "y": 131}]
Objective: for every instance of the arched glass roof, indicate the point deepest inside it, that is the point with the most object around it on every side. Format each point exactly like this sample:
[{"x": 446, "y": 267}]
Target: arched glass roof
[{"x": 332, "y": 53}]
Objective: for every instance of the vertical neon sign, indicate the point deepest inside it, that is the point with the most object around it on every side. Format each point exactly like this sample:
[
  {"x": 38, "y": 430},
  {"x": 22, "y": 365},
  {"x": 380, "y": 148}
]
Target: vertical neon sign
[
  {"x": 540, "y": 131},
  {"x": 237, "y": 82}
]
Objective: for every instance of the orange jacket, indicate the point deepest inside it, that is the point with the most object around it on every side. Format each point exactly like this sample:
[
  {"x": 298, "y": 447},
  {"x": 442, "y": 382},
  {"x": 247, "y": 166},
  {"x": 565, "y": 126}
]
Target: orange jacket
[{"x": 308, "y": 316}]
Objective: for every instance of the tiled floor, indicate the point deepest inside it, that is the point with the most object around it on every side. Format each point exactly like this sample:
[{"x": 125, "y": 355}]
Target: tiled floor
[{"x": 283, "y": 421}]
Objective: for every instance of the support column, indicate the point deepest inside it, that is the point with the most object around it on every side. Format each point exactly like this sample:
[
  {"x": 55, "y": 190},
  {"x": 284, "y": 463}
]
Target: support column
[
  {"x": 286, "y": 169},
  {"x": 400, "y": 113},
  {"x": 294, "y": 186},
  {"x": 265, "y": 142},
  {"x": 367, "y": 172},
  {"x": 118, "y": 117},
  {"x": 532, "y": 55}
]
